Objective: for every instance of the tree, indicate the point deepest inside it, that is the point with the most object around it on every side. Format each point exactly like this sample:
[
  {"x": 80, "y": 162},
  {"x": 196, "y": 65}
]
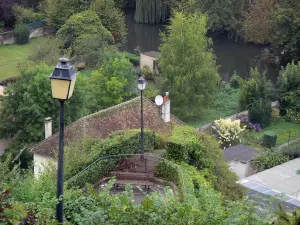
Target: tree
[
  {"x": 187, "y": 64},
  {"x": 258, "y": 26},
  {"x": 257, "y": 87},
  {"x": 47, "y": 50},
  {"x": 114, "y": 81},
  {"x": 59, "y": 11},
  {"x": 286, "y": 35},
  {"x": 289, "y": 90},
  {"x": 155, "y": 11},
  {"x": 223, "y": 15},
  {"x": 111, "y": 17},
  {"x": 6, "y": 10},
  {"x": 29, "y": 101},
  {"x": 83, "y": 23}
]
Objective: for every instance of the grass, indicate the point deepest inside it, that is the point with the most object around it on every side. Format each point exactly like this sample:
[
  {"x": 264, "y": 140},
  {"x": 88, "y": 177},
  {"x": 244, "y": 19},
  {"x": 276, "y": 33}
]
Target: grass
[
  {"x": 11, "y": 56},
  {"x": 286, "y": 131},
  {"x": 226, "y": 103}
]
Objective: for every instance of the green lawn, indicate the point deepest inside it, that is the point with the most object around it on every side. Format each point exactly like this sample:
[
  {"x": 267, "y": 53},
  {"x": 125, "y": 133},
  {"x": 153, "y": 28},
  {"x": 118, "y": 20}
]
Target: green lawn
[
  {"x": 11, "y": 56},
  {"x": 286, "y": 131},
  {"x": 226, "y": 103}
]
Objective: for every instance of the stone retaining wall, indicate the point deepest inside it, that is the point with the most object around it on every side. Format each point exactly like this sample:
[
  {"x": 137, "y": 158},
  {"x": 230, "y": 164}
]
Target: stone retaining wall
[{"x": 7, "y": 38}]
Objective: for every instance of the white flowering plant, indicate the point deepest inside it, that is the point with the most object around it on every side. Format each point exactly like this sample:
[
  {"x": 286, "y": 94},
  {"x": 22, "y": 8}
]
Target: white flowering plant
[{"x": 228, "y": 131}]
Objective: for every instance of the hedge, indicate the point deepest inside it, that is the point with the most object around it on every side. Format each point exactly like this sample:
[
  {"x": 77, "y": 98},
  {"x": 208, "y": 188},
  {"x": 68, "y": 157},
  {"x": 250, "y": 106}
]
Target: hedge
[
  {"x": 121, "y": 142},
  {"x": 202, "y": 151},
  {"x": 187, "y": 178},
  {"x": 269, "y": 159},
  {"x": 292, "y": 150}
]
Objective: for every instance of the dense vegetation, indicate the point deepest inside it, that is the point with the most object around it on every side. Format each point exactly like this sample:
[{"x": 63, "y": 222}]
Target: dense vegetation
[{"x": 187, "y": 65}]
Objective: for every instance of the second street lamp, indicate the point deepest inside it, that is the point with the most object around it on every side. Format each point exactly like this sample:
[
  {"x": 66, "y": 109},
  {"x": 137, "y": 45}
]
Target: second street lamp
[
  {"x": 141, "y": 86},
  {"x": 62, "y": 85}
]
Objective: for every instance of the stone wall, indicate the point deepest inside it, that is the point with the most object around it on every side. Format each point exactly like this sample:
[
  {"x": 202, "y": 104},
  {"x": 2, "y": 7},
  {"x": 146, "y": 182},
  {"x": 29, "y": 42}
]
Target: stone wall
[{"x": 7, "y": 38}]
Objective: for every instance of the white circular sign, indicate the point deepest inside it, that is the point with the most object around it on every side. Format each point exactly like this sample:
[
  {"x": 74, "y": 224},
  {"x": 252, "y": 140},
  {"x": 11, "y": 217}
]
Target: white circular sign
[{"x": 159, "y": 100}]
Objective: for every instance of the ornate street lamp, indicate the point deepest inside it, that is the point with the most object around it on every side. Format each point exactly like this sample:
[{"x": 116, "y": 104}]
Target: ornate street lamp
[
  {"x": 62, "y": 85},
  {"x": 141, "y": 83}
]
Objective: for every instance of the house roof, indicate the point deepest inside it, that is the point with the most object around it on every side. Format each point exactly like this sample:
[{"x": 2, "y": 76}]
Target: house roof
[
  {"x": 153, "y": 54},
  {"x": 101, "y": 124},
  {"x": 240, "y": 153}
]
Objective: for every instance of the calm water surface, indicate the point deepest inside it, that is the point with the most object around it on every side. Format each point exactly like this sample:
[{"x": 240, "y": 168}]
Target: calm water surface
[{"x": 230, "y": 55}]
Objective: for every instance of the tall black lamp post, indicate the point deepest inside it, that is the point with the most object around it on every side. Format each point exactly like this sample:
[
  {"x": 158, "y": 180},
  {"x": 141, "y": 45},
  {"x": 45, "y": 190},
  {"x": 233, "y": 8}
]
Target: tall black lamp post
[
  {"x": 62, "y": 85},
  {"x": 141, "y": 86}
]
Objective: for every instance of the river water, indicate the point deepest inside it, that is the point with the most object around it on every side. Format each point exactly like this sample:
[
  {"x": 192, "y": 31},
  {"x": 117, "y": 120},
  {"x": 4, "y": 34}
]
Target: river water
[{"x": 230, "y": 55}]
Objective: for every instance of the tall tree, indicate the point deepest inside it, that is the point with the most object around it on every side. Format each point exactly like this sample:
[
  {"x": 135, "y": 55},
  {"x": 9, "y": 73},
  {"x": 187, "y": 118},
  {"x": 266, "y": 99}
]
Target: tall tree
[
  {"x": 154, "y": 11},
  {"x": 111, "y": 17},
  {"x": 287, "y": 28},
  {"x": 258, "y": 25},
  {"x": 187, "y": 64},
  {"x": 28, "y": 102}
]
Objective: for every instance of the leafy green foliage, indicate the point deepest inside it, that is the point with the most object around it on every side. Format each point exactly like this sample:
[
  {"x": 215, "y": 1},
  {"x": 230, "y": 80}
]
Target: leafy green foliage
[
  {"x": 292, "y": 150},
  {"x": 287, "y": 26},
  {"x": 268, "y": 159},
  {"x": 21, "y": 34},
  {"x": 122, "y": 142},
  {"x": 187, "y": 65},
  {"x": 111, "y": 17},
  {"x": 289, "y": 90},
  {"x": 114, "y": 81},
  {"x": 59, "y": 11},
  {"x": 156, "y": 11},
  {"x": 29, "y": 101},
  {"x": 235, "y": 80},
  {"x": 261, "y": 112},
  {"x": 46, "y": 50},
  {"x": 256, "y": 88},
  {"x": 26, "y": 15},
  {"x": 270, "y": 138},
  {"x": 90, "y": 49},
  {"x": 202, "y": 151},
  {"x": 258, "y": 25},
  {"x": 83, "y": 23},
  {"x": 224, "y": 15}
]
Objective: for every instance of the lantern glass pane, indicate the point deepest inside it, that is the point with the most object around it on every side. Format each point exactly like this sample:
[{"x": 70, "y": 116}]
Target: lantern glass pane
[
  {"x": 72, "y": 85},
  {"x": 60, "y": 88}
]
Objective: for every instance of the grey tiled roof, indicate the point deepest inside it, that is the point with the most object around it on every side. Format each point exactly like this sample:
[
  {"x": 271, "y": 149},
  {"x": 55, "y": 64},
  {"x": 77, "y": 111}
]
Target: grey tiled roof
[{"x": 240, "y": 153}]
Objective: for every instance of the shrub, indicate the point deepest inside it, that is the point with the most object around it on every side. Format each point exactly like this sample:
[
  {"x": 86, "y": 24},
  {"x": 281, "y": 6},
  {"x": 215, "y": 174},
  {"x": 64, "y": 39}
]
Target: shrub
[
  {"x": 203, "y": 152},
  {"x": 270, "y": 139},
  {"x": 111, "y": 17},
  {"x": 289, "y": 89},
  {"x": 133, "y": 58},
  {"x": 47, "y": 50},
  {"x": 84, "y": 23},
  {"x": 228, "y": 131},
  {"x": 292, "y": 116},
  {"x": 26, "y": 15},
  {"x": 235, "y": 80},
  {"x": 90, "y": 49},
  {"x": 269, "y": 159},
  {"x": 292, "y": 151},
  {"x": 21, "y": 33},
  {"x": 261, "y": 112},
  {"x": 148, "y": 73},
  {"x": 257, "y": 87}
]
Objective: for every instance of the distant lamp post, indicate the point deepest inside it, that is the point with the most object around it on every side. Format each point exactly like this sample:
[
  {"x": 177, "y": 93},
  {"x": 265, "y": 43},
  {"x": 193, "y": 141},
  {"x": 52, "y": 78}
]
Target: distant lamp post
[
  {"x": 62, "y": 85},
  {"x": 141, "y": 83}
]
